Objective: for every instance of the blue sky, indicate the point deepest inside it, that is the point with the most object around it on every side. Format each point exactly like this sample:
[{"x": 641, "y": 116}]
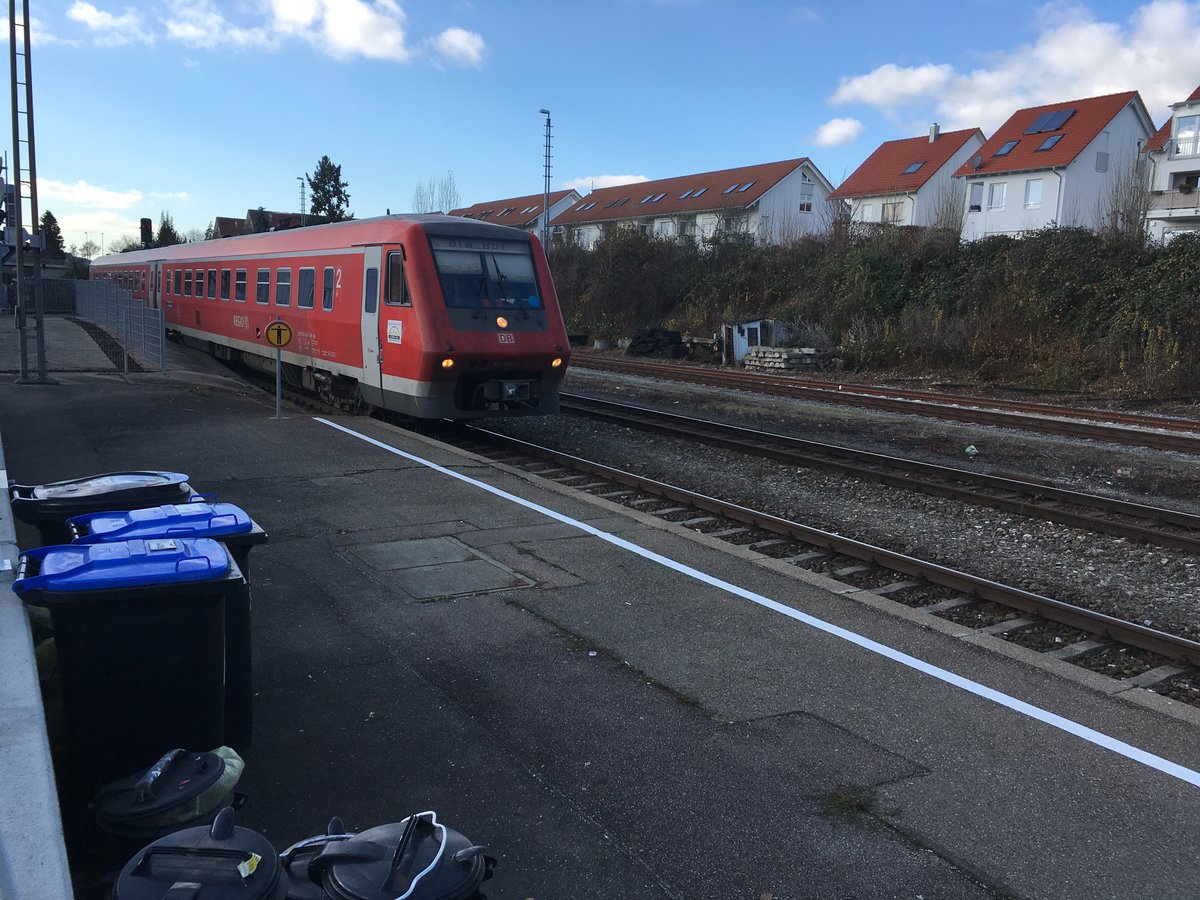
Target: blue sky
[{"x": 203, "y": 109}]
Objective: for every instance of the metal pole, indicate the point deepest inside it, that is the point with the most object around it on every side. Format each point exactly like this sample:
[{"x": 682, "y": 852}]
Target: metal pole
[
  {"x": 546, "y": 186},
  {"x": 278, "y": 378},
  {"x": 300, "y": 178},
  {"x": 35, "y": 225},
  {"x": 19, "y": 258}
]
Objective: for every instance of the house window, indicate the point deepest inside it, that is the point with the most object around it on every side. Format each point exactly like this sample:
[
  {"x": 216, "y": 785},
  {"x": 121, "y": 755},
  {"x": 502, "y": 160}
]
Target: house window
[
  {"x": 696, "y": 194},
  {"x": 239, "y": 286},
  {"x": 996, "y": 195},
  {"x": 1048, "y": 143},
  {"x": 893, "y": 212},
  {"x": 866, "y": 212},
  {"x": 806, "y": 197},
  {"x": 1006, "y": 148},
  {"x": 1187, "y": 135},
  {"x": 731, "y": 188},
  {"x": 283, "y": 287},
  {"x": 976, "y": 197},
  {"x": 913, "y": 168},
  {"x": 306, "y": 288},
  {"x": 263, "y": 288},
  {"x": 1033, "y": 193}
]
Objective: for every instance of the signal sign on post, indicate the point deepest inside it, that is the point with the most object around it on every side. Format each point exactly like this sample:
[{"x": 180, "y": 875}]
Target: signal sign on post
[{"x": 279, "y": 333}]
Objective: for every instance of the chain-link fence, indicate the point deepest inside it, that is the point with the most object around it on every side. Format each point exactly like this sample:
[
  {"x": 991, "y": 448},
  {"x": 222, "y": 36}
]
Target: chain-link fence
[{"x": 87, "y": 326}]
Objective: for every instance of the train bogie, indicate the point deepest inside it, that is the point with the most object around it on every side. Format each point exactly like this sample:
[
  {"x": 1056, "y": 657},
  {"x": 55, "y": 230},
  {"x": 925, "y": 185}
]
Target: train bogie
[{"x": 426, "y": 316}]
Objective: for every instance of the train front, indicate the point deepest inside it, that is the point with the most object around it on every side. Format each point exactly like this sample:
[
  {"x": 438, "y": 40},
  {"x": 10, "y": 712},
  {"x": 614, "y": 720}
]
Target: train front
[{"x": 501, "y": 346}]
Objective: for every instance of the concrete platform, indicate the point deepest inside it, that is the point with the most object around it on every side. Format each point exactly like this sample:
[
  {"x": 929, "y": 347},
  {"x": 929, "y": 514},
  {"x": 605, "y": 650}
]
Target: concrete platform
[{"x": 615, "y": 708}]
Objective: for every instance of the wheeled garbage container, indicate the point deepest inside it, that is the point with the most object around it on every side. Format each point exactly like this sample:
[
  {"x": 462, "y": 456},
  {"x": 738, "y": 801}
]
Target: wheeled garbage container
[
  {"x": 201, "y": 517},
  {"x": 48, "y": 506},
  {"x": 140, "y": 632}
]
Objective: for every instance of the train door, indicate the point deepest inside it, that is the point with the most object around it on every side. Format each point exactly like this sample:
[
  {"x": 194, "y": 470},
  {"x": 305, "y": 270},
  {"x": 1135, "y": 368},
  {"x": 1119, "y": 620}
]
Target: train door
[
  {"x": 156, "y": 287},
  {"x": 372, "y": 376}
]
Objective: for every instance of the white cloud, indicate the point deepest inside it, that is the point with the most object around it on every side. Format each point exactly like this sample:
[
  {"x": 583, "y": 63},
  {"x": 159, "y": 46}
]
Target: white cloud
[
  {"x": 198, "y": 23},
  {"x": 1075, "y": 55},
  {"x": 345, "y": 28},
  {"x": 83, "y": 194},
  {"x": 460, "y": 46},
  {"x": 891, "y": 84},
  {"x": 111, "y": 30},
  {"x": 594, "y": 182},
  {"x": 836, "y": 132}
]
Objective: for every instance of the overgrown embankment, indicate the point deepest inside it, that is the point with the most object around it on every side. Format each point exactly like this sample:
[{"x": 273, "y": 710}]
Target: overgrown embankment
[{"x": 1060, "y": 308}]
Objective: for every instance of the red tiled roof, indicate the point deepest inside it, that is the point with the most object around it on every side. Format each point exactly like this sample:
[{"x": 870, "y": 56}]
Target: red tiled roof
[
  {"x": 1090, "y": 117},
  {"x": 688, "y": 193},
  {"x": 883, "y": 171},
  {"x": 1164, "y": 132},
  {"x": 515, "y": 211}
]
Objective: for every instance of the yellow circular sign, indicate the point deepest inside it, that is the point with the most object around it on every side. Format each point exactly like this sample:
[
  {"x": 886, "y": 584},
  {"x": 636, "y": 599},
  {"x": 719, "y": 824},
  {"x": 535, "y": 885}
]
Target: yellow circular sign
[{"x": 279, "y": 334}]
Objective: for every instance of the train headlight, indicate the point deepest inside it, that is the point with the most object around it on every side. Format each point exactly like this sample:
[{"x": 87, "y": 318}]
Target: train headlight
[
  {"x": 447, "y": 363},
  {"x": 556, "y": 362},
  {"x": 501, "y": 322}
]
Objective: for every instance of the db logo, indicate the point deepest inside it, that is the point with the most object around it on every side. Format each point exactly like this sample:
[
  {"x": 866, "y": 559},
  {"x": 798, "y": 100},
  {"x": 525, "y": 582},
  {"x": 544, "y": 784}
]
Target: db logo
[{"x": 506, "y": 338}]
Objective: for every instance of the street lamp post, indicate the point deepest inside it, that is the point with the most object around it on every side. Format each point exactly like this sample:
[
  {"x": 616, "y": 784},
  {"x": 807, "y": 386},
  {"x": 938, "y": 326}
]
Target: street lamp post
[
  {"x": 546, "y": 186},
  {"x": 300, "y": 178}
]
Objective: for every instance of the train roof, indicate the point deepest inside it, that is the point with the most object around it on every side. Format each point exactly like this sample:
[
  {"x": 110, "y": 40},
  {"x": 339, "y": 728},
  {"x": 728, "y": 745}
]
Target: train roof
[{"x": 354, "y": 232}]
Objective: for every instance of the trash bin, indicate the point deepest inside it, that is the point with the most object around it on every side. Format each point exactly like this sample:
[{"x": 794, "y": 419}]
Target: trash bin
[
  {"x": 48, "y": 506},
  {"x": 140, "y": 633},
  {"x": 201, "y": 517},
  {"x": 211, "y": 861},
  {"x": 417, "y": 858}
]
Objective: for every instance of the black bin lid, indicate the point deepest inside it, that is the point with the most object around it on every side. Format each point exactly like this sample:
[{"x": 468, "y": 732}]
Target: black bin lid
[
  {"x": 217, "y": 862},
  {"x": 179, "y": 777},
  {"x": 95, "y": 493},
  {"x": 415, "y": 859}
]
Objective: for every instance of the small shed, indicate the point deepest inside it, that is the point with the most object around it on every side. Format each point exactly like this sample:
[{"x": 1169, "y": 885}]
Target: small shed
[{"x": 758, "y": 332}]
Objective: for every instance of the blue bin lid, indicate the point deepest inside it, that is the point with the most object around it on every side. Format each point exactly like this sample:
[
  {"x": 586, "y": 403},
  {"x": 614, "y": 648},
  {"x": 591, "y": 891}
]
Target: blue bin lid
[
  {"x": 127, "y": 564},
  {"x": 192, "y": 520}
]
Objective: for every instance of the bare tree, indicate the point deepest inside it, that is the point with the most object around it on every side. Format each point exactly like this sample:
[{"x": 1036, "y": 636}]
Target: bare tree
[
  {"x": 436, "y": 194},
  {"x": 1121, "y": 211},
  {"x": 948, "y": 207}
]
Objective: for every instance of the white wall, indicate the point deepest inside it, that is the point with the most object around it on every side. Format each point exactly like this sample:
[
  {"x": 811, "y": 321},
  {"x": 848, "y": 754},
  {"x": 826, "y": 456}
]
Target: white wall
[{"x": 1070, "y": 197}]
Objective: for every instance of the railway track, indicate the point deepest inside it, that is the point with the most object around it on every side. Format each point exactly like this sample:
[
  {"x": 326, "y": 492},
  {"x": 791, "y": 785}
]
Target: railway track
[
  {"x": 1133, "y": 521},
  {"x": 1155, "y": 432},
  {"x": 1144, "y": 656}
]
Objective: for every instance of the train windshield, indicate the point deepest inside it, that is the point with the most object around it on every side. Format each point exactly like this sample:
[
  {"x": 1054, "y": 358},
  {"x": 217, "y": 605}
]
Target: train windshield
[{"x": 478, "y": 274}]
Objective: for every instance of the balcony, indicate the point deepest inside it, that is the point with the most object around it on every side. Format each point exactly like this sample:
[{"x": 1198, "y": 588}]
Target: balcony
[{"x": 1172, "y": 204}]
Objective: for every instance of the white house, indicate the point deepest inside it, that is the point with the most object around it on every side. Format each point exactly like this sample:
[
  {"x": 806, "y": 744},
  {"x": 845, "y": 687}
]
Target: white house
[
  {"x": 526, "y": 213},
  {"x": 1053, "y": 165},
  {"x": 910, "y": 181},
  {"x": 767, "y": 203},
  {"x": 1174, "y": 157}
]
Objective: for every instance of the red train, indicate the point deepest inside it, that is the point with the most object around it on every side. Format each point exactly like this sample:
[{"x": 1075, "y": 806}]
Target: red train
[{"x": 428, "y": 316}]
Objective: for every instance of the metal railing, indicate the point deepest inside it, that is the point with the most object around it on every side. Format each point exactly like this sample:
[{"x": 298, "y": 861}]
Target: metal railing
[{"x": 85, "y": 326}]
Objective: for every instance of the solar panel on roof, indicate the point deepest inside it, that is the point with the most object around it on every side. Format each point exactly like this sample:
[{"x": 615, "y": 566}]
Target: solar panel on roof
[
  {"x": 696, "y": 194},
  {"x": 685, "y": 194},
  {"x": 730, "y": 189},
  {"x": 659, "y": 197},
  {"x": 747, "y": 186},
  {"x": 1050, "y": 121}
]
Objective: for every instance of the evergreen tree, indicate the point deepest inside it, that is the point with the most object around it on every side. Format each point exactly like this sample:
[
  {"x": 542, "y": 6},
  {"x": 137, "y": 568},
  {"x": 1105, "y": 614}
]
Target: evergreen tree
[
  {"x": 167, "y": 235},
  {"x": 329, "y": 197},
  {"x": 210, "y": 233},
  {"x": 55, "y": 248},
  {"x": 259, "y": 222}
]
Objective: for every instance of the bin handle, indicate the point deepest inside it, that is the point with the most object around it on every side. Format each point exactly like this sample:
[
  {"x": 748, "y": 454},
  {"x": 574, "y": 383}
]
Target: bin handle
[
  {"x": 405, "y": 838},
  {"x": 202, "y": 498}
]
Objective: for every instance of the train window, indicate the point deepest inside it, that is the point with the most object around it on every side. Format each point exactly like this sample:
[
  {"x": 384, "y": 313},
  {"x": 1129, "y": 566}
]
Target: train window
[
  {"x": 199, "y": 282},
  {"x": 371, "y": 291},
  {"x": 327, "y": 289},
  {"x": 224, "y": 284},
  {"x": 239, "y": 286},
  {"x": 187, "y": 283},
  {"x": 179, "y": 283},
  {"x": 212, "y": 285},
  {"x": 397, "y": 283},
  {"x": 502, "y": 275},
  {"x": 283, "y": 287},
  {"x": 306, "y": 288},
  {"x": 263, "y": 291}
]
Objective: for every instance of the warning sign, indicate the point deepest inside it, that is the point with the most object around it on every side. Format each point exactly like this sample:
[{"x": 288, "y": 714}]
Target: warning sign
[{"x": 279, "y": 333}]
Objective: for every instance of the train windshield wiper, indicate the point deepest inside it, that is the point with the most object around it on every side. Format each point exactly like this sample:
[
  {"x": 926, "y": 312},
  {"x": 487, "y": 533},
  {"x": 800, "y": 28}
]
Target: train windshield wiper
[
  {"x": 480, "y": 294},
  {"x": 502, "y": 278}
]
